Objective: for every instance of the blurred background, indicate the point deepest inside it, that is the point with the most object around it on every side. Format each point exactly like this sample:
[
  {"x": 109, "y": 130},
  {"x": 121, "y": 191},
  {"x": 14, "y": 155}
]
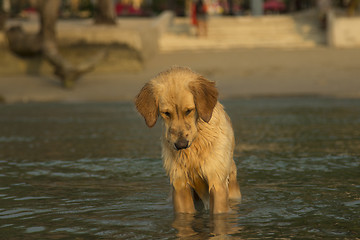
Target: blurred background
[{"x": 260, "y": 47}]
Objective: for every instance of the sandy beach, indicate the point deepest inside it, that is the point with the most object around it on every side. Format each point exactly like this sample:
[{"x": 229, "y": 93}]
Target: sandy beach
[{"x": 319, "y": 71}]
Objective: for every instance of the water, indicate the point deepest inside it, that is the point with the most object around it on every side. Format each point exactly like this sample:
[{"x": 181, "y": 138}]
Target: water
[{"x": 93, "y": 171}]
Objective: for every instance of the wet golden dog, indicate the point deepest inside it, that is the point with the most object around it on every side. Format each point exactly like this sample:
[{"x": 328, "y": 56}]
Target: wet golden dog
[{"x": 197, "y": 139}]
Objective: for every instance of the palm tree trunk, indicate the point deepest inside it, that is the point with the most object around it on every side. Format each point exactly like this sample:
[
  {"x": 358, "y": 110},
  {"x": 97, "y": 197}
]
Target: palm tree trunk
[{"x": 105, "y": 12}]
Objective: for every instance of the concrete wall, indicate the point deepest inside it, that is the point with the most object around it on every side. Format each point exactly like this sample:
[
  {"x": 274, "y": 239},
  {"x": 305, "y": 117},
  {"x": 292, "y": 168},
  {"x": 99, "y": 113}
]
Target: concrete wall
[
  {"x": 131, "y": 41},
  {"x": 343, "y": 32},
  {"x": 140, "y": 34}
]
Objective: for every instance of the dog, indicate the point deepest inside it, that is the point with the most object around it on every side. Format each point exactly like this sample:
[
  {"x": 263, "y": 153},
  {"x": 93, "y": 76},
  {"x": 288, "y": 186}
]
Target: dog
[{"x": 197, "y": 139}]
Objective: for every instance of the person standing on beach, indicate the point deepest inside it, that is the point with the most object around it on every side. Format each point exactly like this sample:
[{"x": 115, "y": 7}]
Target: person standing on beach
[{"x": 199, "y": 17}]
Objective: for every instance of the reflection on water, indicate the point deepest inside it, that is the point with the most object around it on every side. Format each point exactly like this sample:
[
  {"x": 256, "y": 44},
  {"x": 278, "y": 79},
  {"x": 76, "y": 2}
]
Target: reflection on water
[{"x": 90, "y": 171}]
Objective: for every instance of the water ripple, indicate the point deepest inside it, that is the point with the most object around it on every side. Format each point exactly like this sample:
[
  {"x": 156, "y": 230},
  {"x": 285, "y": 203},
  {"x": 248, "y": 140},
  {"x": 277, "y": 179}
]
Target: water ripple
[{"x": 90, "y": 171}]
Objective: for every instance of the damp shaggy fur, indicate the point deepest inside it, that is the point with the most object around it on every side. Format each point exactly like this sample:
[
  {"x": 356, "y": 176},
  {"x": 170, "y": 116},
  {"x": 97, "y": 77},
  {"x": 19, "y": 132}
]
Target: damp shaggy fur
[{"x": 197, "y": 138}]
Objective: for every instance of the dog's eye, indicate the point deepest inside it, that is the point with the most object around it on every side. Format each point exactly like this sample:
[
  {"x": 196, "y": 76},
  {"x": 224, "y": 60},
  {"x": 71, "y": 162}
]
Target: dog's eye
[
  {"x": 167, "y": 114},
  {"x": 188, "y": 112}
]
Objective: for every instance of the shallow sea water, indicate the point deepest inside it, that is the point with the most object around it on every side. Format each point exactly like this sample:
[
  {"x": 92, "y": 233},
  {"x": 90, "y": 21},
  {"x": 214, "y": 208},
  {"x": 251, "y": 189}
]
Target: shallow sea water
[{"x": 94, "y": 171}]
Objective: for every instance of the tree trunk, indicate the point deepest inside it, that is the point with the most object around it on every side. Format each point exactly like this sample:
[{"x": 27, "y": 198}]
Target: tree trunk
[
  {"x": 4, "y": 12},
  {"x": 292, "y": 6},
  {"x": 3, "y": 18},
  {"x": 48, "y": 16},
  {"x": 49, "y": 11},
  {"x": 44, "y": 43},
  {"x": 105, "y": 12},
  {"x": 231, "y": 7}
]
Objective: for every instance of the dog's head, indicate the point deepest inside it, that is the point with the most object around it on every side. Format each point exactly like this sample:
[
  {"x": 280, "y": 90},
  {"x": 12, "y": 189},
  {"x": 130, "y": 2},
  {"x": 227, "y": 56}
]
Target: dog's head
[{"x": 182, "y": 98}]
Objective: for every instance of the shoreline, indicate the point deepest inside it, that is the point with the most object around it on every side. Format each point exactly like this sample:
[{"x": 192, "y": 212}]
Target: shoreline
[{"x": 246, "y": 73}]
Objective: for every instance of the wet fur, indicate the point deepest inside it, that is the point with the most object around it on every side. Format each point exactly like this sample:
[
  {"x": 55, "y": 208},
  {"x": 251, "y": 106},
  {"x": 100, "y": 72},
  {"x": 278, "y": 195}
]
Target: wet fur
[{"x": 188, "y": 104}]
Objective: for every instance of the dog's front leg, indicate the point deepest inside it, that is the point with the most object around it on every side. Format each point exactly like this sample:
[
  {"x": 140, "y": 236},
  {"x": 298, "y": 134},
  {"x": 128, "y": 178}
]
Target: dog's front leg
[
  {"x": 234, "y": 189},
  {"x": 219, "y": 198},
  {"x": 182, "y": 197}
]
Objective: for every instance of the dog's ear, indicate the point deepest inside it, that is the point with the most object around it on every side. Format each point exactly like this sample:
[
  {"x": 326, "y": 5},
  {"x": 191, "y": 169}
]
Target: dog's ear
[
  {"x": 205, "y": 97},
  {"x": 145, "y": 103}
]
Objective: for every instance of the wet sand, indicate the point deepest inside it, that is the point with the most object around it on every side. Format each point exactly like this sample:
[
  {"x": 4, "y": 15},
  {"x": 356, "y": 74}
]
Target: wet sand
[{"x": 239, "y": 73}]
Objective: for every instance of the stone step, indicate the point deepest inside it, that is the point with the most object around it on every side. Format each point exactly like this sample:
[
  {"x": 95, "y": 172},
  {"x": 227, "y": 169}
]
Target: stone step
[
  {"x": 237, "y": 32},
  {"x": 171, "y": 41},
  {"x": 199, "y": 44}
]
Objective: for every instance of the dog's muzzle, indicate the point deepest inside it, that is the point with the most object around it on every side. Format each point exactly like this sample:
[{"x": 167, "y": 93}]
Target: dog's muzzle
[{"x": 181, "y": 143}]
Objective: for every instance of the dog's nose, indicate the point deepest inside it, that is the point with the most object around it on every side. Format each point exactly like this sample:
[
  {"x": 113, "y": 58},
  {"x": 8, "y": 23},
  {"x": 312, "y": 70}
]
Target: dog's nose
[{"x": 181, "y": 143}]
